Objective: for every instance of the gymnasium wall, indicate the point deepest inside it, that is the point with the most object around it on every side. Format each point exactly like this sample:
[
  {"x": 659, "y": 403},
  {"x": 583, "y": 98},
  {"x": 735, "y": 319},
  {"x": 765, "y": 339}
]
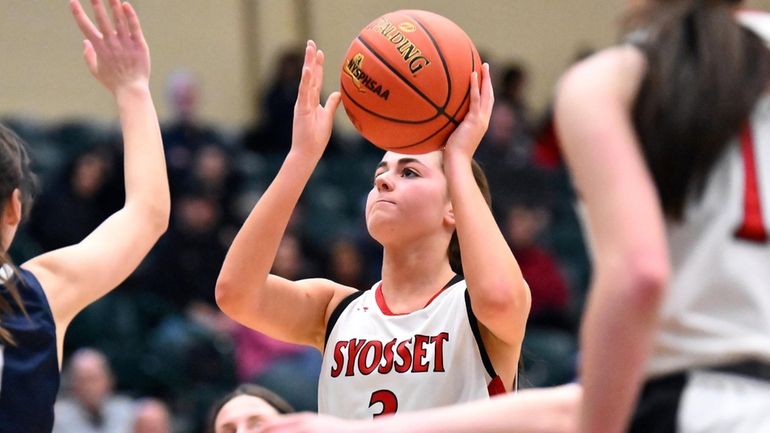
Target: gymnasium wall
[{"x": 231, "y": 45}]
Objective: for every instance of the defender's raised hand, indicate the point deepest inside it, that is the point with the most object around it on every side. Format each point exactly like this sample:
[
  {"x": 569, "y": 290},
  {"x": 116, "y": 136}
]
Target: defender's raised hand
[{"x": 114, "y": 49}]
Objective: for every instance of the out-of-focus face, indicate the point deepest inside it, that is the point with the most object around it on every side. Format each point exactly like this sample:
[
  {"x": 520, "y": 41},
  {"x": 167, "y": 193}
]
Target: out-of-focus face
[
  {"x": 243, "y": 414},
  {"x": 409, "y": 198},
  {"x": 91, "y": 379},
  {"x": 152, "y": 417}
]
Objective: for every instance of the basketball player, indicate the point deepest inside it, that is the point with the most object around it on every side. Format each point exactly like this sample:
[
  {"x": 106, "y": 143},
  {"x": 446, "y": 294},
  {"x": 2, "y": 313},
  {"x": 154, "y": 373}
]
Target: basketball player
[
  {"x": 668, "y": 141},
  {"x": 40, "y": 298},
  {"x": 429, "y": 334},
  {"x": 246, "y": 409}
]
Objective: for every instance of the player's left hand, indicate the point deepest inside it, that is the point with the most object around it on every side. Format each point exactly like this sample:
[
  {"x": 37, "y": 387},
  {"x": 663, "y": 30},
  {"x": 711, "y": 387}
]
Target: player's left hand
[
  {"x": 312, "y": 423},
  {"x": 114, "y": 49},
  {"x": 466, "y": 138}
]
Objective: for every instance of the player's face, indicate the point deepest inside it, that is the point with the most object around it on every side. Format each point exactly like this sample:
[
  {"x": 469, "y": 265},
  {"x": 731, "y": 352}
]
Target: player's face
[
  {"x": 243, "y": 414},
  {"x": 409, "y": 197}
]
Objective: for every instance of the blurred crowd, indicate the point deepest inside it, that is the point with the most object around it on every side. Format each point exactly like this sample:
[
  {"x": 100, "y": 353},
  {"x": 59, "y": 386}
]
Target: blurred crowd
[{"x": 153, "y": 355}]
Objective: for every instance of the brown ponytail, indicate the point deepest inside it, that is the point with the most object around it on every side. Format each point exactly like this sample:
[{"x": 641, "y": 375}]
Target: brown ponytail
[
  {"x": 455, "y": 260},
  {"x": 705, "y": 74}
]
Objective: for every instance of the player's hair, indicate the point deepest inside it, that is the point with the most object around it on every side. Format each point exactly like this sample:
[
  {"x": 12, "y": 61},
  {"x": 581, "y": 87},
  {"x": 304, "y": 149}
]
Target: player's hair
[
  {"x": 705, "y": 74},
  {"x": 271, "y": 398},
  {"x": 15, "y": 173},
  {"x": 454, "y": 244}
]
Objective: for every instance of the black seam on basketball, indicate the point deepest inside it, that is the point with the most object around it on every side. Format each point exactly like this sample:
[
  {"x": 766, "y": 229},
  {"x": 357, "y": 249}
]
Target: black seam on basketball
[
  {"x": 424, "y": 139},
  {"x": 390, "y": 119},
  {"x": 402, "y": 78},
  {"x": 468, "y": 89},
  {"x": 440, "y": 56}
]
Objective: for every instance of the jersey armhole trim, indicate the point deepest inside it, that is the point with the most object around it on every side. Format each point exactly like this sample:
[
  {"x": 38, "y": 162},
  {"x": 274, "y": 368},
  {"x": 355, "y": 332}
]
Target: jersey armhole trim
[
  {"x": 477, "y": 335},
  {"x": 338, "y": 312}
]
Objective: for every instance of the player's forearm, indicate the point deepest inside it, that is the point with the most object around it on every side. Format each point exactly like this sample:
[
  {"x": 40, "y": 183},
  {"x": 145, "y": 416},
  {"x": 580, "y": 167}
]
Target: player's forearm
[
  {"x": 616, "y": 340},
  {"x": 251, "y": 255},
  {"x": 493, "y": 275},
  {"x": 146, "y": 180}
]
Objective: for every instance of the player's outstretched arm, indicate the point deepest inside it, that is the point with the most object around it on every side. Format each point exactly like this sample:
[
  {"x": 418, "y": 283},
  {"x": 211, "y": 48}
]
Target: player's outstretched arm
[
  {"x": 499, "y": 295},
  {"x": 626, "y": 231},
  {"x": 245, "y": 291},
  {"x": 549, "y": 410},
  {"x": 118, "y": 57}
]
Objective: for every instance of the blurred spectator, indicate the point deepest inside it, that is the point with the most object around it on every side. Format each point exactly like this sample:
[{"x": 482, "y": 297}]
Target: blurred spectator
[
  {"x": 190, "y": 255},
  {"x": 151, "y": 416},
  {"x": 273, "y": 133},
  {"x": 91, "y": 406},
  {"x": 185, "y": 134},
  {"x": 245, "y": 409},
  {"x": 346, "y": 264},
  {"x": 513, "y": 91},
  {"x": 213, "y": 175},
  {"x": 69, "y": 209},
  {"x": 550, "y": 295}
]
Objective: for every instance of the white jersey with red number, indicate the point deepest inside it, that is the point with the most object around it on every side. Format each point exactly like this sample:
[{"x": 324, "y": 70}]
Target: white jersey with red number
[
  {"x": 717, "y": 308},
  {"x": 377, "y": 362}
]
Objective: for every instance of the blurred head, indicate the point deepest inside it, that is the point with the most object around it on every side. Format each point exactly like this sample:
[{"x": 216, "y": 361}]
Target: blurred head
[
  {"x": 502, "y": 125},
  {"x": 245, "y": 409},
  {"x": 89, "y": 174},
  {"x": 288, "y": 259},
  {"x": 196, "y": 213},
  {"x": 523, "y": 225},
  {"x": 183, "y": 95},
  {"x": 346, "y": 262},
  {"x": 410, "y": 201},
  {"x": 211, "y": 165},
  {"x": 152, "y": 416},
  {"x": 90, "y": 378}
]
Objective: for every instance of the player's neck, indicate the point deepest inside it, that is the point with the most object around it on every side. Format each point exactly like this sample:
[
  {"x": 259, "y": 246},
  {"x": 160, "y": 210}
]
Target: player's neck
[{"x": 411, "y": 276}]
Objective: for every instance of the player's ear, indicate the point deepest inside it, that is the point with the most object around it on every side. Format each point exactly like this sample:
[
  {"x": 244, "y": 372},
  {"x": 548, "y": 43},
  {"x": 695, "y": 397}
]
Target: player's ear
[{"x": 449, "y": 216}]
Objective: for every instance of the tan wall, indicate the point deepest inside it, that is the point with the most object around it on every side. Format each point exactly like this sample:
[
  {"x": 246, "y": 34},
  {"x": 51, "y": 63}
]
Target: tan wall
[{"x": 231, "y": 45}]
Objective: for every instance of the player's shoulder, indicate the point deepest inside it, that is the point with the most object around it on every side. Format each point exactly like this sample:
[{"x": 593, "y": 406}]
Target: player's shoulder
[{"x": 614, "y": 71}]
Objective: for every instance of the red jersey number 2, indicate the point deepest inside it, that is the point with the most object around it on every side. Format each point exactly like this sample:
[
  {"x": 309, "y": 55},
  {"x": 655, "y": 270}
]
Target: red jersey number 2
[
  {"x": 387, "y": 399},
  {"x": 752, "y": 227}
]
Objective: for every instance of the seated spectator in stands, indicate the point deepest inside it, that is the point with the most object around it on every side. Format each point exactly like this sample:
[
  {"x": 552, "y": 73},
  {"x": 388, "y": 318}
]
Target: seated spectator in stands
[
  {"x": 272, "y": 134},
  {"x": 245, "y": 409},
  {"x": 185, "y": 134},
  {"x": 91, "y": 406},
  {"x": 151, "y": 416},
  {"x": 80, "y": 199},
  {"x": 550, "y": 296}
]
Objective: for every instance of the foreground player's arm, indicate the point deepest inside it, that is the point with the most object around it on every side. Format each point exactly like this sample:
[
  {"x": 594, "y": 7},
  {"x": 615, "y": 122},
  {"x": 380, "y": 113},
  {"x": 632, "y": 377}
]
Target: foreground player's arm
[
  {"x": 626, "y": 230},
  {"x": 499, "y": 295},
  {"x": 549, "y": 410},
  {"x": 75, "y": 276},
  {"x": 245, "y": 291}
]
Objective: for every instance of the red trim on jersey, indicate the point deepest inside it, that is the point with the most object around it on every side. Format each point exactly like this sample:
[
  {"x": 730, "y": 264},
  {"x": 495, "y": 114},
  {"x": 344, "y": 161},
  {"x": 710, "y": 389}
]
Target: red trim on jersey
[
  {"x": 496, "y": 387},
  {"x": 752, "y": 227},
  {"x": 380, "y": 298}
]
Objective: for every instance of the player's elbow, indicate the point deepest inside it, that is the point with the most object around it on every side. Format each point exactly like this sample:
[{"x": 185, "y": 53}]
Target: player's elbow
[
  {"x": 225, "y": 294},
  {"x": 501, "y": 298},
  {"x": 647, "y": 277}
]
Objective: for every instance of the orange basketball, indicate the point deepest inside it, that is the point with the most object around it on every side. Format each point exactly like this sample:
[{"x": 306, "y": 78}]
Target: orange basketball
[{"x": 405, "y": 80}]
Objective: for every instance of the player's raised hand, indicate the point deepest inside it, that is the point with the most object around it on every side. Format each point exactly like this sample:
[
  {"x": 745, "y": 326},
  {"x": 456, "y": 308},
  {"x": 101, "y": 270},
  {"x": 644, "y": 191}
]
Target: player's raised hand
[
  {"x": 114, "y": 48},
  {"x": 466, "y": 138},
  {"x": 312, "y": 126}
]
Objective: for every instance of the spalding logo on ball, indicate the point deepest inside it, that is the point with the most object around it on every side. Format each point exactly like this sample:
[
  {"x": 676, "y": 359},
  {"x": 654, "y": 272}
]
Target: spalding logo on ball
[{"x": 405, "y": 80}]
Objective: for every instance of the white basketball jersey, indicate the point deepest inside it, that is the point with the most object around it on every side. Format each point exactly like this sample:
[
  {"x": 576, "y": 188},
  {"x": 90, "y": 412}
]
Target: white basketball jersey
[
  {"x": 717, "y": 308},
  {"x": 376, "y": 362}
]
